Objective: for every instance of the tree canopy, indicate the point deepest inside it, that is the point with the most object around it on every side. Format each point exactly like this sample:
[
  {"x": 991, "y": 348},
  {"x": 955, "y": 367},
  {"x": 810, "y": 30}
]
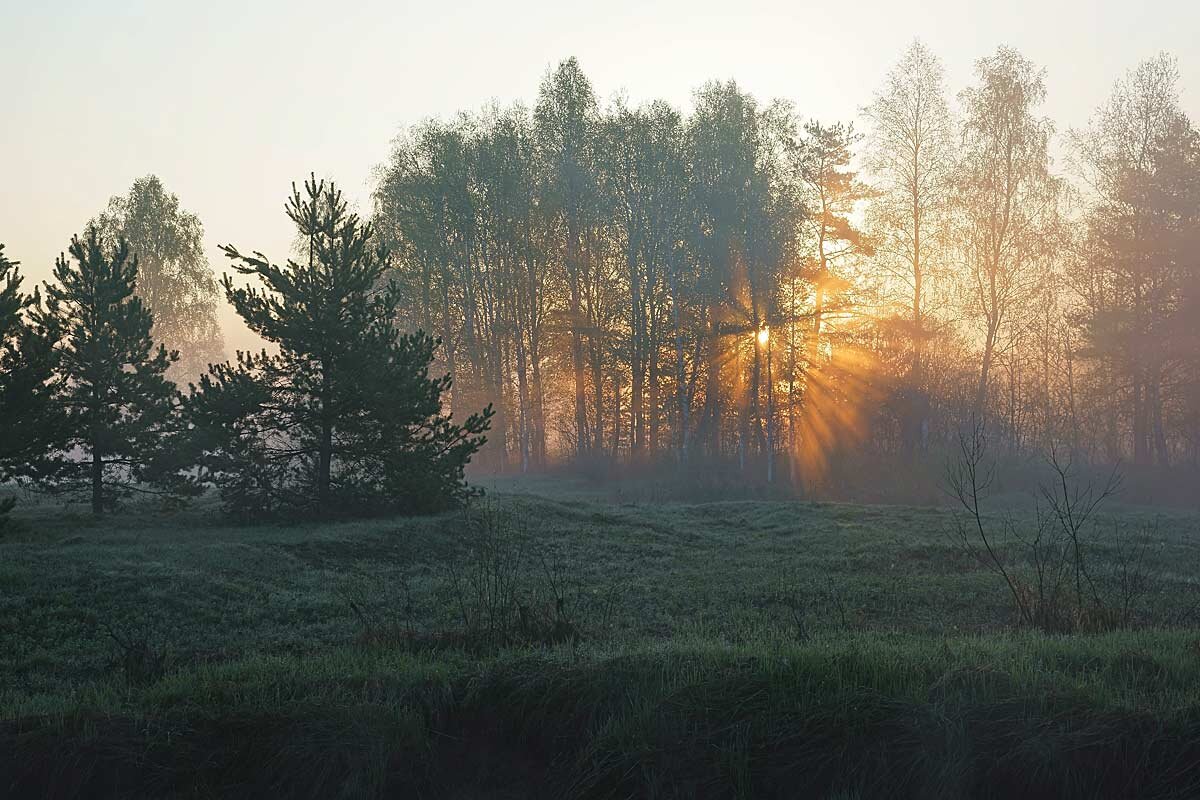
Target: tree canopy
[
  {"x": 344, "y": 417},
  {"x": 174, "y": 278},
  {"x": 109, "y": 387}
]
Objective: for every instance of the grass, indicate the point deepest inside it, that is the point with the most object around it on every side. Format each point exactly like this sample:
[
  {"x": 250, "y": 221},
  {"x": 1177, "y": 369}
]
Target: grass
[{"x": 748, "y": 648}]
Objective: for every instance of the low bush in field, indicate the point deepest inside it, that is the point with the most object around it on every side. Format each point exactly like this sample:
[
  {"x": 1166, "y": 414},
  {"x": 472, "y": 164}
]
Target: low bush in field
[{"x": 1064, "y": 570}]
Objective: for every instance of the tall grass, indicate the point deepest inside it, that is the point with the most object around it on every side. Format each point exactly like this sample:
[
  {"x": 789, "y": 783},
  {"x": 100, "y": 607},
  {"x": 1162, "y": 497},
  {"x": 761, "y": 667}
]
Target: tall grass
[{"x": 868, "y": 715}]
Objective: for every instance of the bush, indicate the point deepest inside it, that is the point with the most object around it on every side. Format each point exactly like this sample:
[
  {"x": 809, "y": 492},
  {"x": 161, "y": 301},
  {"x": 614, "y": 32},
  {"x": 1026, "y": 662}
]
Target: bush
[{"x": 1057, "y": 584}]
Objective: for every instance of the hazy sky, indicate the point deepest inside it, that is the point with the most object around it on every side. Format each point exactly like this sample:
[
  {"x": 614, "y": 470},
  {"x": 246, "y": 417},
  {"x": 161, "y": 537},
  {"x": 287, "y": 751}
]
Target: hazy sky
[{"x": 228, "y": 102}]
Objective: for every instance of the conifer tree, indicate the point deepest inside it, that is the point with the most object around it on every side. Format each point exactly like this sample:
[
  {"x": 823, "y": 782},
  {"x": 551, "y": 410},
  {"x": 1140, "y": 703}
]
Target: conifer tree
[
  {"x": 116, "y": 404},
  {"x": 26, "y": 423},
  {"x": 345, "y": 418}
]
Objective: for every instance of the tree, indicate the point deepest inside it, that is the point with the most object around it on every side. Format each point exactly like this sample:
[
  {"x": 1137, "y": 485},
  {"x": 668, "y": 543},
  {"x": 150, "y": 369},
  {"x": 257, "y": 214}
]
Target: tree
[
  {"x": 1138, "y": 276},
  {"x": 642, "y": 165},
  {"x": 110, "y": 382},
  {"x": 622, "y": 281},
  {"x": 831, "y": 192},
  {"x": 1007, "y": 199},
  {"x": 423, "y": 208},
  {"x": 566, "y": 125},
  {"x": 512, "y": 275},
  {"x": 26, "y": 360},
  {"x": 12, "y": 303},
  {"x": 910, "y": 156},
  {"x": 744, "y": 225},
  {"x": 174, "y": 279},
  {"x": 345, "y": 418}
]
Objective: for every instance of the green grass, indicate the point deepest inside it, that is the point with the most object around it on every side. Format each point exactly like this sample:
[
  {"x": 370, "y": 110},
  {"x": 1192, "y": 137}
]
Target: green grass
[{"x": 691, "y": 677}]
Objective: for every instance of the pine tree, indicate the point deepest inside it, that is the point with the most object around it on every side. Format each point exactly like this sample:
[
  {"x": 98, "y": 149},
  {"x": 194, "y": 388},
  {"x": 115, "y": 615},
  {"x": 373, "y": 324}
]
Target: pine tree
[
  {"x": 26, "y": 420},
  {"x": 110, "y": 387},
  {"x": 12, "y": 303},
  {"x": 345, "y": 418}
]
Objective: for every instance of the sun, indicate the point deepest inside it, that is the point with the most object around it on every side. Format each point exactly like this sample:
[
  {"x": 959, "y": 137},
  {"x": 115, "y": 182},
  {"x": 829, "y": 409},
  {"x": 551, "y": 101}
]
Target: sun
[{"x": 764, "y": 335}]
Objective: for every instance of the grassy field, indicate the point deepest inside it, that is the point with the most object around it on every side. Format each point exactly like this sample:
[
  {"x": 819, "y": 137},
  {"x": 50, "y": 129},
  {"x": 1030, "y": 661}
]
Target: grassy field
[{"x": 555, "y": 641}]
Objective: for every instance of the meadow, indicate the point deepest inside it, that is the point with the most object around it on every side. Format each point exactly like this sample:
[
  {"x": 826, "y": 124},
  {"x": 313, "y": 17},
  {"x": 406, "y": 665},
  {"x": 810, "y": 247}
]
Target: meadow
[{"x": 556, "y": 639}]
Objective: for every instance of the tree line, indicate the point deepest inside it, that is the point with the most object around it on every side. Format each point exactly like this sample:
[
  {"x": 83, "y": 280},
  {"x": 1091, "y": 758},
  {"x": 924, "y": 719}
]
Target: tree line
[
  {"x": 735, "y": 289},
  {"x": 740, "y": 287},
  {"x": 342, "y": 416}
]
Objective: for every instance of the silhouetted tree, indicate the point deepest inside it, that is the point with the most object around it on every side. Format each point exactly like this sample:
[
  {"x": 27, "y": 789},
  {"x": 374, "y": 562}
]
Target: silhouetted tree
[
  {"x": 345, "y": 417},
  {"x": 744, "y": 230},
  {"x": 1141, "y": 266},
  {"x": 110, "y": 382},
  {"x": 565, "y": 128},
  {"x": 641, "y": 162},
  {"x": 26, "y": 361}
]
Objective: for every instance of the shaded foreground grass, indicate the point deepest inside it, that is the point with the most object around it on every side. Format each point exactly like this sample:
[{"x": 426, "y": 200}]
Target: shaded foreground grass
[
  {"x": 869, "y": 715},
  {"x": 753, "y": 649}
]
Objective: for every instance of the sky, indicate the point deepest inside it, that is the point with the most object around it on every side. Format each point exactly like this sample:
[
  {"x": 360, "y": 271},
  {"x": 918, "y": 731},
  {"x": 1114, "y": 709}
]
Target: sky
[{"x": 229, "y": 102}]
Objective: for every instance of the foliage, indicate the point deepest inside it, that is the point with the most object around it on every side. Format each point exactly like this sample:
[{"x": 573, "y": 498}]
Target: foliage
[
  {"x": 27, "y": 423},
  {"x": 603, "y": 274},
  {"x": 1006, "y": 223},
  {"x": 110, "y": 389},
  {"x": 174, "y": 279},
  {"x": 1138, "y": 273},
  {"x": 345, "y": 417}
]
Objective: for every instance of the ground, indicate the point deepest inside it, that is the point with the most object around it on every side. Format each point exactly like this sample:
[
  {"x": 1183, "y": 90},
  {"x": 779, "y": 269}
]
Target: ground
[{"x": 557, "y": 640}]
